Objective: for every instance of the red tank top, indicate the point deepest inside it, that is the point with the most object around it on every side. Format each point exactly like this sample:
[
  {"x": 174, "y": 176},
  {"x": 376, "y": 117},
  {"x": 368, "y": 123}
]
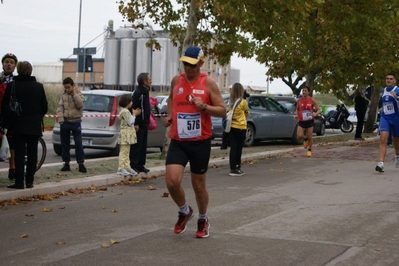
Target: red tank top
[
  {"x": 305, "y": 109},
  {"x": 188, "y": 122}
]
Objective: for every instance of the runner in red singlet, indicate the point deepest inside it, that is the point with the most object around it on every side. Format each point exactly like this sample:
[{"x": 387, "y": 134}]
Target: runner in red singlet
[
  {"x": 193, "y": 99},
  {"x": 305, "y": 112}
]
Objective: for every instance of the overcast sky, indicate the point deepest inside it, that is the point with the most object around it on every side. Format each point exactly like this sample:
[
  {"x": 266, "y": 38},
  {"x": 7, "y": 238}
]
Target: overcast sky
[{"x": 42, "y": 31}]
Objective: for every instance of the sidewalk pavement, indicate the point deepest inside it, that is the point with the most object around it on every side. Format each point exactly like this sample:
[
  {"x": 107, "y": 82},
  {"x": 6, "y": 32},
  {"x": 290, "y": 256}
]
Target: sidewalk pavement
[{"x": 342, "y": 149}]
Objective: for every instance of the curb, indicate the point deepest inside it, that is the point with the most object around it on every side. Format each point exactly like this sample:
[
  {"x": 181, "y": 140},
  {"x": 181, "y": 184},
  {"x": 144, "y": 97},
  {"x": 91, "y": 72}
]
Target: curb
[{"x": 110, "y": 179}]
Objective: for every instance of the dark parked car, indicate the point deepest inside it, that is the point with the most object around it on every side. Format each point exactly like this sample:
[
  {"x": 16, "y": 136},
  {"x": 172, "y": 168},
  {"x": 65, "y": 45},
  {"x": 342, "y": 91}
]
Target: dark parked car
[
  {"x": 289, "y": 102},
  {"x": 268, "y": 120}
]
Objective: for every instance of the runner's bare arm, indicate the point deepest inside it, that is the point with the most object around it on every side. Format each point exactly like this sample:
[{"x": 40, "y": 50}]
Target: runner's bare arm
[
  {"x": 168, "y": 120},
  {"x": 217, "y": 108},
  {"x": 318, "y": 110}
]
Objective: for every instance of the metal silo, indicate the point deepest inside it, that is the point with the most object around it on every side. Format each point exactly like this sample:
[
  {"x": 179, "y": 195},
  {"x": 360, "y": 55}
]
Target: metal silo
[
  {"x": 142, "y": 33},
  {"x": 127, "y": 60},
  {"x": 161, "y": 64},
  {"x": 111, "y": 63},
  {"x": 124, "y": 33},
  {"x": 143, "y": 57},
  {"x": 173, "y": 67}
]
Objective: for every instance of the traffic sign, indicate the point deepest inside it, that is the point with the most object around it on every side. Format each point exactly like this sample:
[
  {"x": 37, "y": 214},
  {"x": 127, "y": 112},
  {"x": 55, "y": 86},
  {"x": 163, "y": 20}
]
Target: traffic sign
[
  {"x": 83, "y": 51},
  {"x": 78, "y": 51}
]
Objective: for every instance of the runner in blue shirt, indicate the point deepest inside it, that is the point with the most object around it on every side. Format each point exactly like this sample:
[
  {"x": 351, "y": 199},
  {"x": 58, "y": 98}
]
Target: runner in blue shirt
[{"x": 389, "y": 120}]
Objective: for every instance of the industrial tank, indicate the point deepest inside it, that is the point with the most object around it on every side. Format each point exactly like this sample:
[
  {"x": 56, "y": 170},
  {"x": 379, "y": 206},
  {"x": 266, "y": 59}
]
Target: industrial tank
[
  {"x": 143, "y": 57},
  {"x": 124, "y": 33},
  {"x": 127, "y": 72},
  {"x": 142, "y": 33},
  {"x": 173, "y": 66},
  {"x": 111, "y": 63},
  {"x": 161, "y": 64}
]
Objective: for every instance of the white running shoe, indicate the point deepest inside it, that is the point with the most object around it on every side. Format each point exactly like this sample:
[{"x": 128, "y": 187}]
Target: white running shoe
[
  {"x": 132, "y": 172},
  {"x": 123, "y": 172},
  {"x": 380, "y": 167}
]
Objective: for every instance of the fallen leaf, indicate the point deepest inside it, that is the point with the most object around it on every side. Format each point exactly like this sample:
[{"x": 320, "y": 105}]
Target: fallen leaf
[
  {"x": 24, "y": 236},
  {"x": 114, "y": 241},
  {"x": 165, "y": 195},
  {"x": 151, "y": 188},
  {"x": 46, "y": 210},
  {"x": 378, "y": 249},
  {"x": 60, "y": 243},
  {"x": 104, "y": 207},
  {"x": 104, "y": 246},
  {"x": 61, "y": 207},
  {"x": 114, "y": 211}
]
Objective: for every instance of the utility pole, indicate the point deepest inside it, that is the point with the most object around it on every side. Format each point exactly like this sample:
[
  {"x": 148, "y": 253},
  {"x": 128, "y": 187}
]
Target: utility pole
[{"x": 77, "y": 56}]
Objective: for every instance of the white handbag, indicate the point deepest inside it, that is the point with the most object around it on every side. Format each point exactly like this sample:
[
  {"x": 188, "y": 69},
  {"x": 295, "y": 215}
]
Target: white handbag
[{"x": 229, "y": 116}]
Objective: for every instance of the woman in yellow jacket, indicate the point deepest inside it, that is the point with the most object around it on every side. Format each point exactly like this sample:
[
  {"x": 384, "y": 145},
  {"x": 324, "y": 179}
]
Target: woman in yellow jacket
[{"x": 238, "y": 128}]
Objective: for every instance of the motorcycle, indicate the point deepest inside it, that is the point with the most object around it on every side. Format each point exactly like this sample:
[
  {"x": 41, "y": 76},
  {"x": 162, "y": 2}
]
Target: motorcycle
[{"x": 338, "y": 118}]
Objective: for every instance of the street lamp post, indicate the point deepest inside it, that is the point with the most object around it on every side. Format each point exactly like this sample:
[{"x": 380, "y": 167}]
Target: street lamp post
[{"x": 77, "y": 56}]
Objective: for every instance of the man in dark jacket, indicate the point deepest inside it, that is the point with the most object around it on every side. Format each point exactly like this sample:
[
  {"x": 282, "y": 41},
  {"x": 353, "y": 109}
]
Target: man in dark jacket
[
  {"x": 27, "y": 127},
  {"x": 361, "y": 104},
  {"x": 141, "y": 99}
]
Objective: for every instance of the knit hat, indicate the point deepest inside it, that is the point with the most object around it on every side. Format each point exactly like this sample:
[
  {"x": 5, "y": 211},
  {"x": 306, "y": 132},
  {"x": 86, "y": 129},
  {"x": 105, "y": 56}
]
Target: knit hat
[
  {"x": 11, "y": 56},
  {"x": 192, "y": 55}
]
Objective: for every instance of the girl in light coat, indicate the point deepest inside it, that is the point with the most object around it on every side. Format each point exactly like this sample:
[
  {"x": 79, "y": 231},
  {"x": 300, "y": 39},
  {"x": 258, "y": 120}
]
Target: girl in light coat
[{"x": 127, "y": 135}]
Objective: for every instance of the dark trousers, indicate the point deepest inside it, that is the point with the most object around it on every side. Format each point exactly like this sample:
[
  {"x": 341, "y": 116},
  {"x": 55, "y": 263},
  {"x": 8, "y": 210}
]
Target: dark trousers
[
  {"x": 76, "y": 129},
  {"x": 138, "y": 151},
  {"x": 360, "y": 123},
  {"x": 25, "y": 143},
  {"x": 225, "y": 140},
  {"x": 237, "y": 138}
]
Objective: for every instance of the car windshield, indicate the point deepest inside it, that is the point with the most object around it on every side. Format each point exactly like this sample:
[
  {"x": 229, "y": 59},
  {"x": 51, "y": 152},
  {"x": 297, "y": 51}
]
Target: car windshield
[
  {"x": 286, "y": 103},
  {"x": 97, "y": 103}
]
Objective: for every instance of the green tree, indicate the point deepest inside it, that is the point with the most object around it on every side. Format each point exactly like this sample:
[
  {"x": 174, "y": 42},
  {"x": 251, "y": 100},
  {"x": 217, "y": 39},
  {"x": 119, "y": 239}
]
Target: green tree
[{"x": 332, "y": 46}]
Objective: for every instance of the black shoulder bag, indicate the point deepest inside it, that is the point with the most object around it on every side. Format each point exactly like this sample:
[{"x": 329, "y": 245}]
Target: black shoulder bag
[{"x": 14, "y": 107}]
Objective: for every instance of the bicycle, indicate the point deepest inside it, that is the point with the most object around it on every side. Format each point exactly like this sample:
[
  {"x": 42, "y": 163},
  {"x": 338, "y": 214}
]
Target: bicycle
[{"x": 41, "y": 153}]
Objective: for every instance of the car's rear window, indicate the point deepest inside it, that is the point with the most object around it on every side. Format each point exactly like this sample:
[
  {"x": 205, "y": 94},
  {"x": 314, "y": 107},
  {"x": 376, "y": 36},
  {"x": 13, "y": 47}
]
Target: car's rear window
[{"x": 97, "y": 103}]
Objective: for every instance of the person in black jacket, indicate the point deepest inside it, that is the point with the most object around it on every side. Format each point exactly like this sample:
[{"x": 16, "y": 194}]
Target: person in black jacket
[
  {"x": 361, "y": 104},
  {"x": 141, "y": 100},
  {"x": 27, "y": 127}
]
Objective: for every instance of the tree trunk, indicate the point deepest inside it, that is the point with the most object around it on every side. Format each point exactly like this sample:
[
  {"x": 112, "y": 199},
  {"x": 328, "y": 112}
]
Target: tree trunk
[{"x": 368, "y": 127}]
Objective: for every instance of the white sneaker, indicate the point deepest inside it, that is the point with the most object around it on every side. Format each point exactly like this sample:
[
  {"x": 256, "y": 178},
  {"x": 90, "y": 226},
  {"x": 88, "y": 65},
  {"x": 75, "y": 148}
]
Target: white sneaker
[
  {"x": 380, "y": 167},
  {"x": 132, "y": 172},
  {"x": 123, "y": 172}
]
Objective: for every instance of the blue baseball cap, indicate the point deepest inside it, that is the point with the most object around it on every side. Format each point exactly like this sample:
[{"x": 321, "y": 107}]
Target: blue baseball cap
[{"x": 192, "y": 55}]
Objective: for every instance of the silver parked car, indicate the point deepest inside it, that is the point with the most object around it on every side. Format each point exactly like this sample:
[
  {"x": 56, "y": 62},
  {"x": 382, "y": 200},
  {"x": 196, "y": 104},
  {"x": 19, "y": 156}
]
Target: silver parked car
[
  {"x": 268, "y": 120},
  {"x": 101, "y": 126}
]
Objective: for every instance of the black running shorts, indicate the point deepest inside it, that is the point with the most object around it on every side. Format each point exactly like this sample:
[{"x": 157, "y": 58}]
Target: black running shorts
[
  {"x": 197, "y": 152},
  {"x": 306, "y": 124}
]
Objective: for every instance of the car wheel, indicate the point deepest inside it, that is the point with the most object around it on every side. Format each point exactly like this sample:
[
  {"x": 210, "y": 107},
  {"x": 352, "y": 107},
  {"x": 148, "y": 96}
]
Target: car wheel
[
  {"x": 294, "y": 139},
  {"x": 322, "y": 130},
  {"x": 115, "y": 151},
  {"x": 249, "y": 136},
  {"x": 57, "y": 149}
]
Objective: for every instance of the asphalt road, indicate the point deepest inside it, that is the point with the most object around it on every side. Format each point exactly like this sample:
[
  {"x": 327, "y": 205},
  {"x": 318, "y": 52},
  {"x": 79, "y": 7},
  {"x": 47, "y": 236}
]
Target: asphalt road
[{"x": 331, "y": 209}]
